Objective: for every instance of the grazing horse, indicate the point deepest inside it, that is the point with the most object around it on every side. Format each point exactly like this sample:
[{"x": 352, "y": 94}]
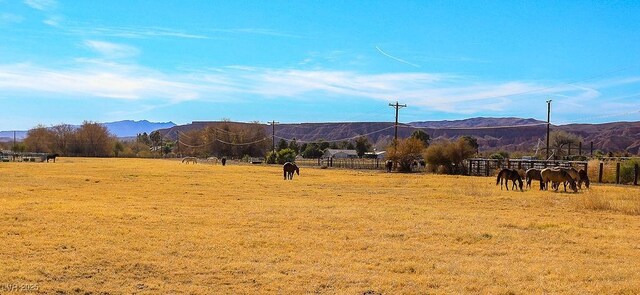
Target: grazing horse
[
  {"x": 571, "y": 171},
  {"x": 288, "y": 169},
  {"x": 213, "y": 160},
  {"x": 52, "y": 157},
  {"x": 509, "y": 174},
  {"x": 188, "y": 160},
  {"x": 533, "y": 174},
  {"x": 557, "y": 176},
  {"x": 583, "y": 178},
  {"x": 388, "y": 165}
]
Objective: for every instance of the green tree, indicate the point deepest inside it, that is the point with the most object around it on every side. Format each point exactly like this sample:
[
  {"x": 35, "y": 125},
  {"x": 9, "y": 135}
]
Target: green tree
[
  {"x": 472, "y": 141},
  {"x": 312, "y": 151},
  {"x": 143, "y": 138},
  {"x": 282, "y": 144},
  {"x": 422, "y": 136},
  {"x": 559, "y": 139},
  {"x": 294, "y": 146},
  {"x": 362, "y": 145},
  {"x": 155, "y": 137},
  {"x": 117, "y": 148}
]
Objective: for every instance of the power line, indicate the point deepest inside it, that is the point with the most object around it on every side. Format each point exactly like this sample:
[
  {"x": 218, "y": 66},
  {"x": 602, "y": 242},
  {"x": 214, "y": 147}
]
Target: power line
[{"x": 337, "y": 140}]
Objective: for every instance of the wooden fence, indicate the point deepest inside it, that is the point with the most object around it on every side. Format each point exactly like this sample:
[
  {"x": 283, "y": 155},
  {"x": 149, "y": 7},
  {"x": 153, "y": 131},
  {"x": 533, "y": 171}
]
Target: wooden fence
[
  {"x": 352, "y": 163},
  {"x": 609, "y": 170}
]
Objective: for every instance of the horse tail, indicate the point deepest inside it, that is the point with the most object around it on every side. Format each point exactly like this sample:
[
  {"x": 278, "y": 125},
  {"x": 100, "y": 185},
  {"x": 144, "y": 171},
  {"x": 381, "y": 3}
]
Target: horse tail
[{"x": 498, "y": 178}]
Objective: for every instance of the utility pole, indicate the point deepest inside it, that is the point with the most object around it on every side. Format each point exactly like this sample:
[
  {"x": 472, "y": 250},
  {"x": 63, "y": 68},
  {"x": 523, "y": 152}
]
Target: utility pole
[
  {"x": 548, "y": 124},
  {"x": 273, "y": 134},
  {"x": 178, "y": 144},
  {"x": 397, "y": 107}
]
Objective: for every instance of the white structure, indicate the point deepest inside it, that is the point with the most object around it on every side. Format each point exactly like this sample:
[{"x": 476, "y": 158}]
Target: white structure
[
  {"x": 340, "y": 154},
  {"x": 376, "y": 155}
]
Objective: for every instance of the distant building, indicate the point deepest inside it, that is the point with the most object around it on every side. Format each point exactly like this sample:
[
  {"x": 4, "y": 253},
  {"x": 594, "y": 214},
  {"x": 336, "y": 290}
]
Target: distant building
[
  {"x": 340, "y": 154},
  {"x": 376, "y": 155}
]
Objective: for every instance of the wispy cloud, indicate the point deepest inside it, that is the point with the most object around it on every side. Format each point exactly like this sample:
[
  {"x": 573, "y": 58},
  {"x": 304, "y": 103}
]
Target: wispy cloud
[
  {"x": 43, "y": 5},
  {"x": 257, "y": 31},
  {"x": 430, "y": 91},
  {"x": 133, "y": 32},
  {"x": 110, "y": 50},
  {"x": 95, "y": 79}
]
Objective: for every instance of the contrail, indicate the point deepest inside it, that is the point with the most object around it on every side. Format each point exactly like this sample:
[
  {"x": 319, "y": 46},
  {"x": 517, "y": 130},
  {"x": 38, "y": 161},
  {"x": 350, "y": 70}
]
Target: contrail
[{"x": 395, "y": 58}]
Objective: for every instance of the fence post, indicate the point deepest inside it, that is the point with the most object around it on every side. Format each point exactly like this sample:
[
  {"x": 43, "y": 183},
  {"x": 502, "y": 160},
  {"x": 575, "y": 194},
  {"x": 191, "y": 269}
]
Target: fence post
[
  {"x": 519, "y": 165},
  {"x": 478, "y": 167},
  {"x": 486, "y": 167},
  {"x": 636, "y": 170},
  {"x": 618, "y": 173},
  {"x": 592, "y": 148},
  {"x": 508, "y": 164},
  {"x": 580, "y": 148},
  {"x": 331, "y": 162},
  {"x": 600, "y": 172}
]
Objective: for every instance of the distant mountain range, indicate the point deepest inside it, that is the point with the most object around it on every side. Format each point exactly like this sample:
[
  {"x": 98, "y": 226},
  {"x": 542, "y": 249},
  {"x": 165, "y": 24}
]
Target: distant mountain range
[
  {"x": 126, "y": 128},
  {"x": 511, "y": 134}
]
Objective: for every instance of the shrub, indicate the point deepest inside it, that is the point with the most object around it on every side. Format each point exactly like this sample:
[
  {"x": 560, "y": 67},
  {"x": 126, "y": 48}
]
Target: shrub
[
  {"x": 271, "y": 157},
  {"x": 405, "y": 153},
  {"x": 627, "y": 170},
  {"x": 449, "y": 154},
  {"x": 285, "y": 155}
]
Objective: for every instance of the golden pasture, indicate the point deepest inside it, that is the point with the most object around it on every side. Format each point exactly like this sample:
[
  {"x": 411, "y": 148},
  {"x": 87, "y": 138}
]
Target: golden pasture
[{"x": 114, "y": 226}]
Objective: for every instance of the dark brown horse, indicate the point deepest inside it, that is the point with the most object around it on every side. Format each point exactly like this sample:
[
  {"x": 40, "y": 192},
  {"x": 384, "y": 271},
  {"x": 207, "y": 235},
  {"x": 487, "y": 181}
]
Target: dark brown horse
[
  {"x": 52, "y": 157},
  {"x": 509, "y": 174},
  {"x": 533, "y": 174},
  {"x": 388, "y": 165},
  {"x": 584, "y": 178},
  {"x": 288, "y": 169}
]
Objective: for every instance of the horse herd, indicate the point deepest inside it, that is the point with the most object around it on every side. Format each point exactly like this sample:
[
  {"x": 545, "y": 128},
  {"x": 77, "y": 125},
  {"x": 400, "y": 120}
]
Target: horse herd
[{"x": 556, "y": 176}]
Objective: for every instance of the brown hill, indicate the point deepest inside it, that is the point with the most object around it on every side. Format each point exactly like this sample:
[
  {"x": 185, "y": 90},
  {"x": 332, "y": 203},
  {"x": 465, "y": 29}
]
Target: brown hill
[{"x": 511, "y": 134}]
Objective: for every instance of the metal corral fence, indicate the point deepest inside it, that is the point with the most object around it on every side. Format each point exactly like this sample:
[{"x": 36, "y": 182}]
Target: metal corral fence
[
  {"x": 605, "y": 170},
  {"x": 351, "y": 163},
  {"x": 9, "y": 156},
  {"x": 486, "y": 167}
]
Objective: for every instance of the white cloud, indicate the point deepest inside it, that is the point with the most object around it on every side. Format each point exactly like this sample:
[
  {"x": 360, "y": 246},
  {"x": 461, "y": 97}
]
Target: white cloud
[
  {"x": 429, "y": 91},
  {"x": 111, "y": 50},
  {"x": 43, "y": 5},
  {"x": 134, "y": 32}
]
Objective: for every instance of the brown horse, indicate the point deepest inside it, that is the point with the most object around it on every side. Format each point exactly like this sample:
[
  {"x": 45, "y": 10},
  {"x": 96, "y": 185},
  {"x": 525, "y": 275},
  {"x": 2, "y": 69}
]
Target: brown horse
[
  {"x": 52, "y": 157},
  {"x": 533, "y": 174},
  {"x": 558, "y": 176},
  {"x": 288, "y": 169},
  {"x": 584, "y": 178},
  {"x": 188, "y": 160},
  {"x": 388, "y": 165},
  {"x": 509, "y": 174}
]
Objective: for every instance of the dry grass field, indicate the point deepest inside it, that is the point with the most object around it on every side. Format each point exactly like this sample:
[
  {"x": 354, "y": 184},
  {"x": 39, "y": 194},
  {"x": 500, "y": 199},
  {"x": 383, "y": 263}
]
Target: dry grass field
[{"x": 122, "y": 226}]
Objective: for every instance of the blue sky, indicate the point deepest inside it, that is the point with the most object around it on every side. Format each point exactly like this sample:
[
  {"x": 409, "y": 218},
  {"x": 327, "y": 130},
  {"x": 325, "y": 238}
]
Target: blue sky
[{"x": 317, "y": 61}]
